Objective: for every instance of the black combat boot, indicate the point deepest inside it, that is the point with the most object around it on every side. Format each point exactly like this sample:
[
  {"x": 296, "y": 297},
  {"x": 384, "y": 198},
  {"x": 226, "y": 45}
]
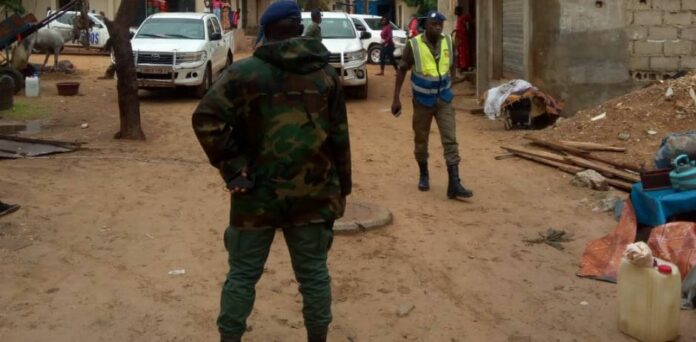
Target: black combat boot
[
  {"x": 230, "y": 338},
  {"x": 455, "y": 190},
  {"x": 316, "y": 338},
  {"x": 424, "y": 180},
  {"x": 6, "y": 209}
]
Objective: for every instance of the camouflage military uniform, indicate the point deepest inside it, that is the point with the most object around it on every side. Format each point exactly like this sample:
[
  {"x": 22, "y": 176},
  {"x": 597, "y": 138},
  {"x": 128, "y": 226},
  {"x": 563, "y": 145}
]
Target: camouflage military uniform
[{"x": 280, "y": 115}]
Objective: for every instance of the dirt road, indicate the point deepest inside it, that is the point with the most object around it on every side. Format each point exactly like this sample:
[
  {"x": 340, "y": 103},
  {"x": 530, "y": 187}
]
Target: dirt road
[{"x": 88, "y": 255}]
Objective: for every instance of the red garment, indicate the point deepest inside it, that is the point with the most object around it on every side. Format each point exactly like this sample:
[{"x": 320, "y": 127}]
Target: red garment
[
  {"x": 413, "y": 28},
  {"x": 462, "y": 37}
]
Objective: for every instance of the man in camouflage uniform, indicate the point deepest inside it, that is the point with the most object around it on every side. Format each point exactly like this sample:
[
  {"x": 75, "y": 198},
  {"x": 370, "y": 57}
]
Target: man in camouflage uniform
[{"x": 278, "y": 120}]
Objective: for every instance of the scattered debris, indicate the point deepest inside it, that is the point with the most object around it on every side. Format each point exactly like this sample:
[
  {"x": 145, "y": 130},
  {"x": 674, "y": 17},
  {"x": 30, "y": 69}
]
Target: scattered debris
[
  {"x": 624, "y": 136},
  {"x": 84, "y": 125},
  {"x": 177, "y": 272},
  {"x": 607, "y": 204},
  {"x": 584, "y": 303},
  {"x": 669, "y": 94},
  {"x": 591, "y": 179},
  {"x": 599, "y": 117},
  {"x": 16, "y": 147},
  {"x": 651, "y": 132},
  {"x": 553, "y": 238},
  {"x": 52, "y": 290},
  {"x": 405, "y": 309}
]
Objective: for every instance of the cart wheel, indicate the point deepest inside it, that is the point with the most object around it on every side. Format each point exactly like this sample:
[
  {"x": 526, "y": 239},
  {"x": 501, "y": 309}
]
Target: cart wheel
[{"x": 16, "y": 76}]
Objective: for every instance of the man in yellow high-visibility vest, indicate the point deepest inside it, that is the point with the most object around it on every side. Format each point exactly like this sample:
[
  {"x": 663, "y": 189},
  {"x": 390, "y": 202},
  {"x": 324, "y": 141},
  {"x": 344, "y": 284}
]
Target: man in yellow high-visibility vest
[{"x": 431, "y": 56}]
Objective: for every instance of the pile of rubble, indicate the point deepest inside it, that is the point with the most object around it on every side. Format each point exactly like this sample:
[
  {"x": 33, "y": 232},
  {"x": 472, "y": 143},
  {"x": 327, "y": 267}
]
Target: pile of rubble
[{"x": 638, "y": 120}]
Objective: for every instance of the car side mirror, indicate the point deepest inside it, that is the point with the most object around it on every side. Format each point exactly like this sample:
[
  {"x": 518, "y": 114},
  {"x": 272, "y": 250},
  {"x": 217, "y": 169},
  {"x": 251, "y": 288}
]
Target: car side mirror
[
  {"x": 361, "y": 28},
  {"x": 365, "y": 35},
  {"x": 215, "y": 36}
]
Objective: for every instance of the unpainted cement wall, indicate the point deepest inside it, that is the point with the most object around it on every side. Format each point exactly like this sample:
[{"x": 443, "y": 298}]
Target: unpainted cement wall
[
  {"x": 579, "y": 51},
  {"x": 662, "y": 37}
]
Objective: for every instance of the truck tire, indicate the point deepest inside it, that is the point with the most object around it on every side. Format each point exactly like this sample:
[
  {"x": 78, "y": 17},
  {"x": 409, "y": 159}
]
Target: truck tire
[
  {"x": 373, "y": 54},
  {"x": 16, "y": 76},
  {"x": 362, "y": 91},
  {"x": 230, "y": 59},
  {"x": 203, "y": 88}
]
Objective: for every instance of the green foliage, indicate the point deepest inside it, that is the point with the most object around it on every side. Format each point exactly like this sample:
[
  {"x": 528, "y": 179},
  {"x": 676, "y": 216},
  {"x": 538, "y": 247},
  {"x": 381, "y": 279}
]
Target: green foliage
[
  {"x": 12, "y": 6},
  {"x": 423, "y": 5}
]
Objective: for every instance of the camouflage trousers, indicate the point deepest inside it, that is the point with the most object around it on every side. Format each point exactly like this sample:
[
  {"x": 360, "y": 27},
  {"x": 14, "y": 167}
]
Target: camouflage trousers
[
  {"x": 248, "y": 250},
  {"x": 443, "y": 113}
]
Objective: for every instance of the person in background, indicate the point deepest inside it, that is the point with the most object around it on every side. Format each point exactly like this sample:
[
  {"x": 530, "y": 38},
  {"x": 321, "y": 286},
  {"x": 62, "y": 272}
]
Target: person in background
[
  {"x": 413, "y": 26},
  {"x": 314, "y": 28},
  {"x": 237, "y": 16},
  {"x": 217, "y": 8},
  {"x": 461, "y": 39},
  {"x": 430, "y": 55},
  {"x": 387, "y": 51}
]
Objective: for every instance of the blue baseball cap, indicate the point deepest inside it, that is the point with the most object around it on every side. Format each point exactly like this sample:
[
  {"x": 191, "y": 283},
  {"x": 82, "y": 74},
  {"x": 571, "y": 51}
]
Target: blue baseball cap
[
  {"x": 435, "y": 15},
  {"x": 280, "y": 10}
]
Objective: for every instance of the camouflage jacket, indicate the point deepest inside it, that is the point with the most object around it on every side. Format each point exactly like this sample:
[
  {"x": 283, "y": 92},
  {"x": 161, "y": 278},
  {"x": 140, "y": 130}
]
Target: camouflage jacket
[{"x": 280, "y": 114}]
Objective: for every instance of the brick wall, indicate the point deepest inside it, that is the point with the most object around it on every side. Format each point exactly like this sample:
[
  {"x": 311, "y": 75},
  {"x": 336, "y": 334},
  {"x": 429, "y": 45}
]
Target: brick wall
[{"x": 662, "y": 37}]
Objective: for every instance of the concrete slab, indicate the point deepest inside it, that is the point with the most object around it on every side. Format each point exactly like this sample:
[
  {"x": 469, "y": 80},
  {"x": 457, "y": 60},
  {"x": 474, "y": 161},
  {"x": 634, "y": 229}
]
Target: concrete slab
[{"x": 360, "y": 217}]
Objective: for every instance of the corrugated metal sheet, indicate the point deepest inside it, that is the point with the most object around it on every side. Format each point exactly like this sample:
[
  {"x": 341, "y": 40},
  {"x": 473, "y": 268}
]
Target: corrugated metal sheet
[{"x": 513, "y": 38}]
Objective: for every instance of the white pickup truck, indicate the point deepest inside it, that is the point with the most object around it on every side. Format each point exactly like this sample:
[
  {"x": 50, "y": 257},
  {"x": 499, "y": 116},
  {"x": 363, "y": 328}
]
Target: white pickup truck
[
  {"x": 181, "y": 49},
  {"x": 347, "y": 55}
]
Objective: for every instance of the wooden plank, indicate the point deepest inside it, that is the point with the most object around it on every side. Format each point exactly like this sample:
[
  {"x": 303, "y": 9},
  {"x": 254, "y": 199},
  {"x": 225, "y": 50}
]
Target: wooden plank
[
  {"x": 603, "y": 169},
  {"x": 588, "y": 146},
  {"x": 561, "y": 166},
  {"x": 616, "y": 164},
  {"x": 556, "y": 146},
  {"x": 621, "y": 185},
  {"x": 541, "y": 154}
]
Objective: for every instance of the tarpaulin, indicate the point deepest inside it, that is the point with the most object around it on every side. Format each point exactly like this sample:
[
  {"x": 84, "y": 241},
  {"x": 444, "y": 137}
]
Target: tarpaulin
[
  {"x": 602, "y": 257},
  {"x": 674, "y": 242}
]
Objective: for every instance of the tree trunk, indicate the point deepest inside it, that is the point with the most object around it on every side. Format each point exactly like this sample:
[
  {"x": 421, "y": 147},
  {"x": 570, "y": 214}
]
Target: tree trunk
[{"x": 127, "y": 84}]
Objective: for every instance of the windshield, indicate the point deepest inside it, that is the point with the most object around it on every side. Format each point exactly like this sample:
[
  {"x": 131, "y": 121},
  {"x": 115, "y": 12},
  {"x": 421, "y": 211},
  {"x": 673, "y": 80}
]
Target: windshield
[
  {"x": 375, "y": 24},
  {"x": 170, "y": 28},
  {"x": 333, "y": 28}
]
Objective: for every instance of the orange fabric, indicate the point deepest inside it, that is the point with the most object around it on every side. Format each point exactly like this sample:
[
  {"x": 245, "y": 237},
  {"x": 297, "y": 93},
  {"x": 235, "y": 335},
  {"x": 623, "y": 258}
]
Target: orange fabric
[
  {"x": 676, "y": 243},
  {"x": 602, "y": 257}
]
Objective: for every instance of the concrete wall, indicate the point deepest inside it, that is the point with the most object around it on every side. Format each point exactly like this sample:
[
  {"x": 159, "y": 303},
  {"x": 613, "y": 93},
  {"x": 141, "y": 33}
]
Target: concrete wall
[
  {"x": 662, "y": 36},
  {"x": 403, "y": 13},
  {"x": 579, "y": 51}
]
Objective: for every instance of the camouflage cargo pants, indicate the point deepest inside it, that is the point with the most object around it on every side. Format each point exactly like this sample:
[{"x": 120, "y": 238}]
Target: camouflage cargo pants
[
  {"x": 422, "y": 121},
  {"x": 248, "y": 251}
]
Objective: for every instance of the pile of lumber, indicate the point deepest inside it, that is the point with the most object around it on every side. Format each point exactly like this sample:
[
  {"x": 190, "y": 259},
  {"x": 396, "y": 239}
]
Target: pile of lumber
[{"x": 573, "y": 157}]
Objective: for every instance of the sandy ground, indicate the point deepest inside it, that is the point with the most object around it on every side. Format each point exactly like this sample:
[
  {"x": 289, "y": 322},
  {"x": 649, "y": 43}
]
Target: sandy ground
[{"x": 88, "y": 255}]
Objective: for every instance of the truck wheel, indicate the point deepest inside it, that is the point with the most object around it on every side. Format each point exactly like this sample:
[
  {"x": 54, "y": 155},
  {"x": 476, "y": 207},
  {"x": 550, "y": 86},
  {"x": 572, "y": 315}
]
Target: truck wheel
[
  {"x": 203, "y": 88},
  {"x": 361, "y": 91},
  {"x": 230, "y": 59},
  {"x": 374, "y": 53},
  {"x": 16, "y": 76}
]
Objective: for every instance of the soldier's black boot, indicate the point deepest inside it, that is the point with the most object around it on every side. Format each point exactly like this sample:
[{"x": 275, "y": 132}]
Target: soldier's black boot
[
  {"x": 455, "y": 190},
  {"x": 230, "y": 338},
  {"x": 316, "y": 338},
  {"x": 424, "y": 180}
]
